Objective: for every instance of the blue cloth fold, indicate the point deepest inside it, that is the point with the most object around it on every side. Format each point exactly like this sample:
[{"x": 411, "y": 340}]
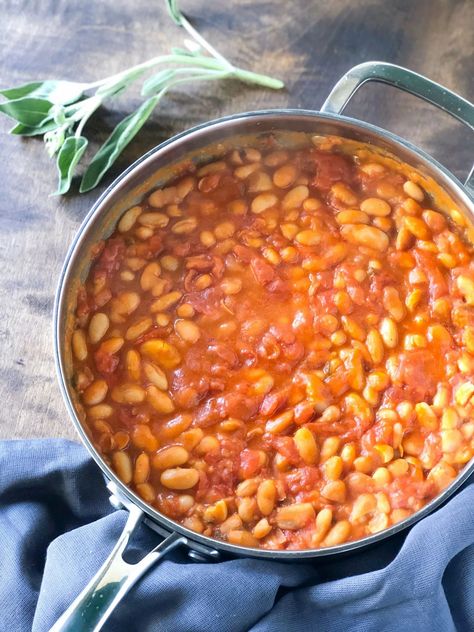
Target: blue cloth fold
[{"x": 57, "y": 527}]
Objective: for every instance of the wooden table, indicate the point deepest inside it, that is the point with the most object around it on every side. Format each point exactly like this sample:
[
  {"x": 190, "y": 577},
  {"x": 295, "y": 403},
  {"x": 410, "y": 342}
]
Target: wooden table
[{"x": 307, "y": 43}]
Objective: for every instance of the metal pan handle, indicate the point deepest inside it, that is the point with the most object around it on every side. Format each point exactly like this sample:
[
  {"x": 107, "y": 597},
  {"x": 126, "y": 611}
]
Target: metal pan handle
[
  {"x": 91, "y": 609},
  {"x": 408, "y": 81}
]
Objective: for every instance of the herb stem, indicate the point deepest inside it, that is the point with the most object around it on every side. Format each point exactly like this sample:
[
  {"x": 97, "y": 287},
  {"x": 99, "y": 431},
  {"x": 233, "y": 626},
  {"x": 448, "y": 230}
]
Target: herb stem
[
  {"x": 203, "y": 77},
  {"x": 239, "y": 73},
  {"x": 61, "y": 110},
  {"x": 96, "y": 102},
  {"x": 261, "y": 80},
  {"x": 133, "y": 73},
  {"x": 197, "y": 37},
  {"x": 155, "y": 81},
  {"x": 210, "y": 63}
]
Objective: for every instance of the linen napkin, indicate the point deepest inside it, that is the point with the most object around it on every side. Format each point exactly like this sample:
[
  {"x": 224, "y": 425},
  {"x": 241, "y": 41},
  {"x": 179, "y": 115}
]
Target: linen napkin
[{"x": 57, "y": 527}]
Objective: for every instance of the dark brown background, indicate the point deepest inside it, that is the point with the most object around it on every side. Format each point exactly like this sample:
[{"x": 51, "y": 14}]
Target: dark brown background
[{"x": 307, "y": 43}]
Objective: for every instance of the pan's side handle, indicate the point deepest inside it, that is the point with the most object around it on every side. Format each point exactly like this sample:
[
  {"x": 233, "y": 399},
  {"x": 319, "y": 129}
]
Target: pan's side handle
[
  {"x": 91, "y": 609},
  {"x": 408, "y": 81}
]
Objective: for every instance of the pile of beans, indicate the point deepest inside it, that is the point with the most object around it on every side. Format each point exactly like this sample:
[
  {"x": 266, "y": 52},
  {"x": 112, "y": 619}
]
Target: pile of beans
[{"x": 277, "y": 350}]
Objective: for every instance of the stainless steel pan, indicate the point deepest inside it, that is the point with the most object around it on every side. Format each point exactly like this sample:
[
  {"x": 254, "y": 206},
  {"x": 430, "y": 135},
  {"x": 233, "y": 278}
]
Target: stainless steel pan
[{"x": 93, "y": 606}]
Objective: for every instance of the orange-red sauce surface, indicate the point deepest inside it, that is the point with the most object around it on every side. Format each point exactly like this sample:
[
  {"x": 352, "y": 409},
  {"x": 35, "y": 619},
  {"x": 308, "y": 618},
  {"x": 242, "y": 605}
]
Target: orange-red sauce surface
[{"x": 278, "y": 349}]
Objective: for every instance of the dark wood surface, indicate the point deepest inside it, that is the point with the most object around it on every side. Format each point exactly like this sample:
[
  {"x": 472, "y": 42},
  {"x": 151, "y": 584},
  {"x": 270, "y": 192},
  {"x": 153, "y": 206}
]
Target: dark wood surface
[{"x": 307, "y": 43}]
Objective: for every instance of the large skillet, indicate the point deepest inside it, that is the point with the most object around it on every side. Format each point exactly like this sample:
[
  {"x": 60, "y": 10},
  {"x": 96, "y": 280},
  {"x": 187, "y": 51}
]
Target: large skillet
[{"x": 94, "y": 605}]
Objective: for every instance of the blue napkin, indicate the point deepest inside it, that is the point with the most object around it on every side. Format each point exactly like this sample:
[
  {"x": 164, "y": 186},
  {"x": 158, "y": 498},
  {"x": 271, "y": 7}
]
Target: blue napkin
[{"x": 57, "y": 527}]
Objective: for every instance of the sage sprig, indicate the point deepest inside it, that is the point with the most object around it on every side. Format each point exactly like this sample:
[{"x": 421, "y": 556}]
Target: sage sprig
[{"x": 60, "y": 110}]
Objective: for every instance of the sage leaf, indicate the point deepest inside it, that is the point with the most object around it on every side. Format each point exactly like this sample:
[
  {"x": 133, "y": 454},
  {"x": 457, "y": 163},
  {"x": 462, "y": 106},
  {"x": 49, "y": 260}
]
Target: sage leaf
[
  {"x": 30, "y": 111},
  {"x": 26, "y": 130},
  {"x": 124, "y": 132},
  {"x": 69, "y": 155},
  {"x": 58, "y": 92},
  {"x": 27, "y": 89},
  {"x": 60, "y": 110},
  {"x": 176, "y": 50}
]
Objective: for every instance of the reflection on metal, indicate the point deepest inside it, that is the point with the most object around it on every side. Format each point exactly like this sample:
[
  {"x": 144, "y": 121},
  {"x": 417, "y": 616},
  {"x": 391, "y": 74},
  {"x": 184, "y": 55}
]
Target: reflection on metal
[
  {"x": 407, "y": 81},
  {"x": 91, "y": 609}
]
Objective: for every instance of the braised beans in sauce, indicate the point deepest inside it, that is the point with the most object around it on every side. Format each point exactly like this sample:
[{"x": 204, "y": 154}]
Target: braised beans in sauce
[{"x": 277, "y": 350}]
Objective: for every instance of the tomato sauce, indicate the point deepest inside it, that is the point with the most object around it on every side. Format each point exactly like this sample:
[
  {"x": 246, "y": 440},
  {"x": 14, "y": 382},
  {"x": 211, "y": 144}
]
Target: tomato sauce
[{"x": 277, "y": 349}]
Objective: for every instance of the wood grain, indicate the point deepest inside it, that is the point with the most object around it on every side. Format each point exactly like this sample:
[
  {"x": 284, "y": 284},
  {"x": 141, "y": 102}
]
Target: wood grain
[{"x": 307, "y": 43}]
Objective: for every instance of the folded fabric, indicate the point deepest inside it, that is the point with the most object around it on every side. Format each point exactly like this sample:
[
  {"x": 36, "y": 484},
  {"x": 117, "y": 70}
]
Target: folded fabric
[{"x": 57, "y": 527}]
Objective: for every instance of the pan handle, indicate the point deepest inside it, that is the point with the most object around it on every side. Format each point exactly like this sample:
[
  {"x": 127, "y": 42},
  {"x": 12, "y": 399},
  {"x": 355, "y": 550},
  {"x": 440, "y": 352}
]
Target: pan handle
[
  {"x": 91, "y": 609},
  {"x": 408, "y": 81}
]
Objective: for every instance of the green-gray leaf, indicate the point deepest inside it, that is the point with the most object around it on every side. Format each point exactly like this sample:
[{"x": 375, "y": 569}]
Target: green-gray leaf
[
  {"x": 30, "y": 111},
  {"x": 70, "y": 154},
  {"x": 58, "y": 92},
  {"x": 173, "y": 10},
  {"x": 25, "y": 130},
  {"x": 116, "y": 143},
  {"x": 177, "y": 50}
]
